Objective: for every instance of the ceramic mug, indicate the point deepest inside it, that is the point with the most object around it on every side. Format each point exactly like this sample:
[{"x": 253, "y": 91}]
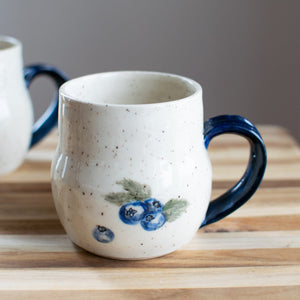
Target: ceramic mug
[
  {"x": 131, "y": 177},
  {"x": 17, "y": 131}
]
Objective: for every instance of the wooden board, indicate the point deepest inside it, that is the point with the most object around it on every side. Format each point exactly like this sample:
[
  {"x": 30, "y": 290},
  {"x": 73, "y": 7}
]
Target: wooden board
[{"x": 255, "y": 252}]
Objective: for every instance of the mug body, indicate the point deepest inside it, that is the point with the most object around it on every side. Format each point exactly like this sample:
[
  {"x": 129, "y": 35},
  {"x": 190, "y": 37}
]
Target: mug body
[
  {"x": 16, "y": 112},
  {"x": 131, "y": 177}
]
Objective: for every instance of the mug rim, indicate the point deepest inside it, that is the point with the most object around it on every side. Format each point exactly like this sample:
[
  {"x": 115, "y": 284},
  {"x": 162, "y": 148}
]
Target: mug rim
[
  {"x": 11, "y": 42},
  {"x": 77, "y": 100}
]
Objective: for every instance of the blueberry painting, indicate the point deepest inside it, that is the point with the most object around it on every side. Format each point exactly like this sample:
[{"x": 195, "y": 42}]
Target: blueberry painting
[
  {"x": 153, "y": 220},
  {"x": 137, "y": 206},
  {"x": 132, "y": 212},
  {"x": 103, "y": 234},
  {"x": 153, "y": 205}
]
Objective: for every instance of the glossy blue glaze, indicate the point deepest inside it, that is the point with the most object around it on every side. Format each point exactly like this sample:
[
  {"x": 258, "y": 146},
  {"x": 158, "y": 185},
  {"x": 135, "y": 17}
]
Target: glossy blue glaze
[
  {"x": 49, "y": 119},
  {"x": 245, "y": 188}
]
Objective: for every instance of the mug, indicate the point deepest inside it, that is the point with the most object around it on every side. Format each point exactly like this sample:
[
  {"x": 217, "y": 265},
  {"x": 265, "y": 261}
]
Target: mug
[
  {"x": 131, "y": 177},
  {"x": 17, "y": 131}
]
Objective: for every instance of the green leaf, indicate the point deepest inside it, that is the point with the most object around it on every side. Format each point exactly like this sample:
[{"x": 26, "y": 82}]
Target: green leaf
[
  {"x": 174, "y": 208},
  {"x": 136, "y": 190},
  {"x": 118, "y": 198}
]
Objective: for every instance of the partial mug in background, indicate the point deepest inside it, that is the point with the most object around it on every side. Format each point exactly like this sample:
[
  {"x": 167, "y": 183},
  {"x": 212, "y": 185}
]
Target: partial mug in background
[{"x": 17, "y": 131}]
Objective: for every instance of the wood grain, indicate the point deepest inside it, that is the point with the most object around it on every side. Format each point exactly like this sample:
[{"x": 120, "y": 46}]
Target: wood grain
[
  {"x": 182, "y": 259},
  {"x": 244, "y": 293},
  {"x": 146, "y": 278},
  {"x": 253, "y": 253}
]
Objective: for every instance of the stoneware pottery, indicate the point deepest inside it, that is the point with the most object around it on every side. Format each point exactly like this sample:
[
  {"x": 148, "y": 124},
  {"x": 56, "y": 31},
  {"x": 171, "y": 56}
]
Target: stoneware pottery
[
  {"x": 17, "y": 131},
  {"x": 131, "y": 177}
]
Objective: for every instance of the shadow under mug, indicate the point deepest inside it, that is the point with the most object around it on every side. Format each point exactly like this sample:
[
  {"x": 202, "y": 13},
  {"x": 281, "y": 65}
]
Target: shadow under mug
[
  {"x": 131, "y": 177},
  {"x": 17, "y": 131}
]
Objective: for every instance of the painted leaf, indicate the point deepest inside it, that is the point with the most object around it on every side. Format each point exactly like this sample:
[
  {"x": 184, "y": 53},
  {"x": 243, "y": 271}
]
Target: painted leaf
[
  {"x": 174, "y": 208},
  {"x": 135, "y": 189},
  {"x": 118, "y": 198}
]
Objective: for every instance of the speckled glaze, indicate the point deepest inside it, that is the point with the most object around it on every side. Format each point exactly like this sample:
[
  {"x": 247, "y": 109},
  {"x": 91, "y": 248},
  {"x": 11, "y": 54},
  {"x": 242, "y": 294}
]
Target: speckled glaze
[
  {"x": 144, "y": 126},
  {"x": 16, "y": 113}
]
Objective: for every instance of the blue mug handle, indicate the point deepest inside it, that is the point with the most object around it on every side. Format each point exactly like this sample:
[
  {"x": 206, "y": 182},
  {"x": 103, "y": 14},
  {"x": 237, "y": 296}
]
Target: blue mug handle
[
  {"x": 246, "y": 187},
  {"x": 49, "y": 118}
]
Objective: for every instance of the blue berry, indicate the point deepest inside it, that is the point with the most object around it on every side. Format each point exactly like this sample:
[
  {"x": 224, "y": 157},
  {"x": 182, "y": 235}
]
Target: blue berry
[
  {"x": 132, "y": 212},
  {"x": 153, "y": 205},
  {"x": 103, "y": 234},
  {"x": 154, "y": 220}
]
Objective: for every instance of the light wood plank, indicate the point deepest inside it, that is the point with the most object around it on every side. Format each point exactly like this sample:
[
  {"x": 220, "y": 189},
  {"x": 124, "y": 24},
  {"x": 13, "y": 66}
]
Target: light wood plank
[
  {"x": 36, "y": 243},
  {"x": 149, "y": 278},
  {"x": 244, "y": 240},
  {"x": 265, "y": 223},
  {"x": 257, "y": 293}
]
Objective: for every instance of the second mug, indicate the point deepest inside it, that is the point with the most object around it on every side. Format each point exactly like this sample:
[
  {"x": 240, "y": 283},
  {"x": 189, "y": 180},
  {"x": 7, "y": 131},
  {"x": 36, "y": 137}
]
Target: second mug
[{"x": 17, "y": 131}]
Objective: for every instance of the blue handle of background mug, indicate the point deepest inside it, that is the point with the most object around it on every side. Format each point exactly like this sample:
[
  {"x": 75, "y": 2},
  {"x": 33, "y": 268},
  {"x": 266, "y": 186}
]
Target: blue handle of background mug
[
  {"x": 245, "y": 188},
  {"x": 49, "y": 118}
]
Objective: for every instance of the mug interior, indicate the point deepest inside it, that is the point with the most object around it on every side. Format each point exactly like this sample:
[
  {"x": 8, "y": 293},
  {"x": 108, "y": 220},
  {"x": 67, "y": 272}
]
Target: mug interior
[
  {"x": 129, "y": 87},
  {"x": 7, "y": 42}
]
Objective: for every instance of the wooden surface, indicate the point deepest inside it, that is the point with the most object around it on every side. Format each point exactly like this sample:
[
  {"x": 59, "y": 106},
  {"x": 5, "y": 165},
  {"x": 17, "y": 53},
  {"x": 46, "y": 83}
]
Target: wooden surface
[{"x": 255, "y": 252}]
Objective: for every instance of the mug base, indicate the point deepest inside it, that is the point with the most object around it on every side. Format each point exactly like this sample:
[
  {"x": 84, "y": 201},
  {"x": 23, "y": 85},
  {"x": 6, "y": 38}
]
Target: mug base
[{"x": 121, "y": 257}]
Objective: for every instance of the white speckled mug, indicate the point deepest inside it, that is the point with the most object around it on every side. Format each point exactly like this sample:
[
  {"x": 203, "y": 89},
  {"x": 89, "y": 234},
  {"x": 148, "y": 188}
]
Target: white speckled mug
[
  {"x": 17, "y": 131},
  {"x": 131, "y": 177}
]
